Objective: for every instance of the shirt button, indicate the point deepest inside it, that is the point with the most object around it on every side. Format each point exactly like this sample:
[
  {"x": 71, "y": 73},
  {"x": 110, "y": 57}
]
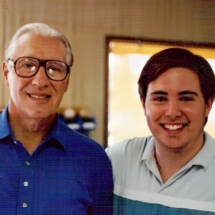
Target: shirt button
[
  {"x": 24, "y": 205},
  {"x": 25, "y": 183},
  {"x": 27, "y": 163}
]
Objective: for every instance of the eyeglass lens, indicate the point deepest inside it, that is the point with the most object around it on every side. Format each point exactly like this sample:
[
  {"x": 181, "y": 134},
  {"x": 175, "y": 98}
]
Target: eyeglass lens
[{"x": 27, "y": 67}]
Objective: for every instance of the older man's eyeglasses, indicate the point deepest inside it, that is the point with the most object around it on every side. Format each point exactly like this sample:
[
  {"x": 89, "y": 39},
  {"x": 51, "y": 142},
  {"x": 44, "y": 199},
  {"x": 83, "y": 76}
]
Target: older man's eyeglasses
[{"x": 27, "y": 67}]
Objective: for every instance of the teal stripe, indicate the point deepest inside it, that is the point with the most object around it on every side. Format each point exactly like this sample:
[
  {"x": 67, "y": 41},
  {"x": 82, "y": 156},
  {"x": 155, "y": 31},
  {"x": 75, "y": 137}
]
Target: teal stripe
[{"x": 124, "y": 206}]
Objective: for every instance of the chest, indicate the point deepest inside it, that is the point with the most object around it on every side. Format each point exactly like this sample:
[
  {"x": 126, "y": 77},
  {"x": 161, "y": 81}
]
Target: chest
[{"x": 48, "y": 182}]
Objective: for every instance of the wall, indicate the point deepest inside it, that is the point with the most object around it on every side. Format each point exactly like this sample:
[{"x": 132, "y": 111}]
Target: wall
[{"x": 87, "y": 22}]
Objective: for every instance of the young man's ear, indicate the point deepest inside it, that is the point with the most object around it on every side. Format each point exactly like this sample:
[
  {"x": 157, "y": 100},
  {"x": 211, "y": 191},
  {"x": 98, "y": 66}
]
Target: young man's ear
[
  {"x": 209, "y": 105},
  {"x": 5, "y": 73},
  {"x": 143, "y": 104}
]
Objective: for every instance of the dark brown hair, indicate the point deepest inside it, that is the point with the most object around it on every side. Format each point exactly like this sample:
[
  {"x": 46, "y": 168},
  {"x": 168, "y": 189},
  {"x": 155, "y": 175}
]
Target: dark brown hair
[{"x": 177, "y": 57}]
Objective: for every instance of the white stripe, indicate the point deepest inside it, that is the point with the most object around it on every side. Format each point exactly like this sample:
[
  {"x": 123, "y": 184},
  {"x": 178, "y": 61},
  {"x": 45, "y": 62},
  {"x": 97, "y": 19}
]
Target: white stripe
[{"x": 169, "y": 201}]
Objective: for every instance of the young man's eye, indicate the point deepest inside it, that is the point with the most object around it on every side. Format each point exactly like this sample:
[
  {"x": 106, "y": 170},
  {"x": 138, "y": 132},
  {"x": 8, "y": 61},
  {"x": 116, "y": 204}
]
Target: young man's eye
[
  {"x": 160, "y": 99},
  {"x": 186, "y": 99}
]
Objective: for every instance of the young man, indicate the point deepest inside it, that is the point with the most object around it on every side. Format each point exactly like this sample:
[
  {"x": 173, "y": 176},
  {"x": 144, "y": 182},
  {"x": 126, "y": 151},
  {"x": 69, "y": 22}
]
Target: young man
[
  {"x": 172, "y": 171},
  {"x": 46, "y": 168}
]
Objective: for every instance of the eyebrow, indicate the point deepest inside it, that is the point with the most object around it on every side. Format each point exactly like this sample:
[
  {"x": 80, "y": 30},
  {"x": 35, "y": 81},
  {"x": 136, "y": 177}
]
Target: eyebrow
[
  {"x": 188, "y": 92},
  {"x": 159, "y": 92},
  {"x": 185, "y": 92}
]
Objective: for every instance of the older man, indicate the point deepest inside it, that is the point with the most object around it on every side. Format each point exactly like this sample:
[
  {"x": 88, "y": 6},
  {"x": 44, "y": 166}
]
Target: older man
[
  {"x": 45, "y": 167},
  {"x": 172, "y": 171}
]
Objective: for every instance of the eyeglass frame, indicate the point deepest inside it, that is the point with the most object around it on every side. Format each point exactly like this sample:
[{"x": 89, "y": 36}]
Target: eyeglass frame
[{"x": 41, "y": 63}]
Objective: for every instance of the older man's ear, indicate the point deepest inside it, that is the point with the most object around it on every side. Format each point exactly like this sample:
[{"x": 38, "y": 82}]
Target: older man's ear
[
  {"x": 67, "y": 82},
  {"x": 5, "y": 73}
]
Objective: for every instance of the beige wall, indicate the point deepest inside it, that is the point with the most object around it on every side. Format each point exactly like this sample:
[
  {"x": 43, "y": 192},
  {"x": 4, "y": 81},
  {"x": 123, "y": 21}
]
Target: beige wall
[{"x": 87, "y": 22}]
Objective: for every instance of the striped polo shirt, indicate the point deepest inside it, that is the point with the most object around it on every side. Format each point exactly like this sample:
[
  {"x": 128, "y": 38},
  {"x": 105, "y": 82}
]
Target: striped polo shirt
[{"x": 138, "y": 187}]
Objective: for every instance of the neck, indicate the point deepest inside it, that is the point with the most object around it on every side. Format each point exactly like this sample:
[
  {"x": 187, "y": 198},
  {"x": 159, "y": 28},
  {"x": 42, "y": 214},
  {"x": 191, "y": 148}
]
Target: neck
[
  {"x": 30, "y": 132},
  {"x": 171, "y": 161}
]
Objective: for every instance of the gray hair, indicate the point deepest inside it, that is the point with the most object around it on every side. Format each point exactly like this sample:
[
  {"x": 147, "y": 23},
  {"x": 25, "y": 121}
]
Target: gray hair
[{"x": 43, "y": 30}]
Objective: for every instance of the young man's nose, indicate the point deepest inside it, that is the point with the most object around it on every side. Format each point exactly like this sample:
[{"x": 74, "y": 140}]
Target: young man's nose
[{"x": 172, "y": 109}]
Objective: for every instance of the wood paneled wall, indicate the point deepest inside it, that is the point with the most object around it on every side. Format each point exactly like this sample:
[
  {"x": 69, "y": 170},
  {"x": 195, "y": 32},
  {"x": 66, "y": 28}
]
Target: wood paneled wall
[{"x": 86, "y": 24}]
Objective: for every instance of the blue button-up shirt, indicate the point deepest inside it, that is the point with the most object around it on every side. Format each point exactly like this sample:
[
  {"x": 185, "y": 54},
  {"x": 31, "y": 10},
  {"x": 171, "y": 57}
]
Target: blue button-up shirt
[{"x": 67, "y": 174}]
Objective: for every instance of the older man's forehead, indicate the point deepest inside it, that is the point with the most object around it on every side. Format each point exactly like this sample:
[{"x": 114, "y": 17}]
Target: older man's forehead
[{"x": 33, "y": 44}]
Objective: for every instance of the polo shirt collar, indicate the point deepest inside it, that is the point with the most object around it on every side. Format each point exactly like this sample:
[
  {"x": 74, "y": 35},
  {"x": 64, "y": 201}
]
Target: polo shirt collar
[
  {"x": 149, "y": 158},
  {"x": 206, "y": 154},
  {"x": 149, "y": 150},
  {"x": 203, "y": 158}
]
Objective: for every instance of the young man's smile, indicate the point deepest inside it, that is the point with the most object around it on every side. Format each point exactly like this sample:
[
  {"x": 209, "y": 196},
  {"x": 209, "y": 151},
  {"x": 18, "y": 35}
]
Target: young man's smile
[{"x": 175, "y": 107}]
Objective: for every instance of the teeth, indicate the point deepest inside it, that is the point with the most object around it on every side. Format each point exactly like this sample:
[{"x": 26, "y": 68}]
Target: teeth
[
  {"x": 173, "y": 127},
  {"x": 38, "y": 97}
]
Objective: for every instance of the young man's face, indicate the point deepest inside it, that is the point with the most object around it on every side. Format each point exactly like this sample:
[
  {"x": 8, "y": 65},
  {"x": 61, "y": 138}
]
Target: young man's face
[
  {"x": 36, "y": 97},
  {"x": 175, "y": 110}
]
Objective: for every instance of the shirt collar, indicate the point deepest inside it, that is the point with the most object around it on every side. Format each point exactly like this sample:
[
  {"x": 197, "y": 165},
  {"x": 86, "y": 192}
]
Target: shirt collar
[
  {"x": 57, "y": 131},
  {"x": 207, "y": 153},
  {"x": 149, "y": 150},
  {"x": 4, "y": 125},
  {"x": 203, "y": 158},
  {"x": 149, "y": 158}
]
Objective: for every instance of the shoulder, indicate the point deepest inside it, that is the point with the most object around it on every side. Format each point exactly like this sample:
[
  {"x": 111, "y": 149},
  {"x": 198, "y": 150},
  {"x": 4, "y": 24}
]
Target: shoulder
[
  {"x": 128, "y": 148},
  {"x": 79, "y": 145},
  {"x": 126, "y": 156},
  {"x": 206, "y": 156},
  {"x": 209, "y": 139},
  {"x": 73, "y": 139},
  {"x": 83, "y": 149},
  {"x": 127, "y": 145}
]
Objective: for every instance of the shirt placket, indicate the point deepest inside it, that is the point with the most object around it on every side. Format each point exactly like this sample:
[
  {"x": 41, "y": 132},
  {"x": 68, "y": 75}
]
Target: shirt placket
[{"x": 25, "y": 199}]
